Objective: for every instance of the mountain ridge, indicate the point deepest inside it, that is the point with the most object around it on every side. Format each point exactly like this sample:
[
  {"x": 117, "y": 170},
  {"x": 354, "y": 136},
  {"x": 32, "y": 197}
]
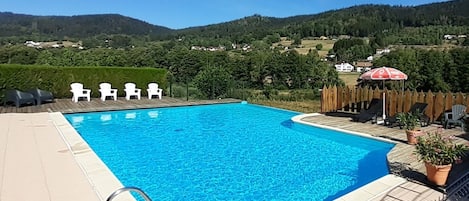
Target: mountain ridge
[
  {"x": 77, "y": 25},
  {"x": 360, "y": 20}
]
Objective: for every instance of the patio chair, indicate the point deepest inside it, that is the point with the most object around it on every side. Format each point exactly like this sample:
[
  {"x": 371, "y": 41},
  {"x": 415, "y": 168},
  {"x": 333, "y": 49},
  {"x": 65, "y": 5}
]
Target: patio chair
[
  {"x": 79, "y": 92},
  {"x": 456, "y": 116},
  {"x": 131, "y": 90},
  {"x": 374, "y": 110},
  {"x": 417, "y": 108},
  {"x": 107, "y": 91},
  {"x": 153, "y": 90},
  {"x": 18, "y": 98},
  {"x": 41, "y": 95}
]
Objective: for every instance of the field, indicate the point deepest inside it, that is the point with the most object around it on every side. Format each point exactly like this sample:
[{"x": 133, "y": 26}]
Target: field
[
  {"x": 306, "y": 45},
  {"x": 311, "y": 44},
  {"x": 305, "y": 106},
  {"x": 350, "y": 79}
]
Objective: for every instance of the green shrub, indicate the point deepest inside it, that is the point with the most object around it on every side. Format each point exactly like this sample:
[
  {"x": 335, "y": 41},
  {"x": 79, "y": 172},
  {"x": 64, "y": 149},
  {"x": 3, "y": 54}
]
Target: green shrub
[
  {"x": 58, "y": 79},
  {"x": 213, "y": 82},
  {"x": 179, "y": 90},
  {"x": 242, "y": 94},
  {"x": 319, "y": 46},
  {"x": 269, "y": 92}
]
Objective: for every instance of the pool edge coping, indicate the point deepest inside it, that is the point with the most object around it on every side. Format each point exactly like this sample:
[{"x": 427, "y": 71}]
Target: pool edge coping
[
  {"x": 298, "y": 119},
  {"x": 375, "y": 189},
  {"x": 101, "y": 178}
]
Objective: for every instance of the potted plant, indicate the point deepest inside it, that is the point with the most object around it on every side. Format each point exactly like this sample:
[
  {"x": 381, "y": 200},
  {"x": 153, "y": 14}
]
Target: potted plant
[
  {"x": 438, "y": 153},
  {"x": 410, "y": 121}
]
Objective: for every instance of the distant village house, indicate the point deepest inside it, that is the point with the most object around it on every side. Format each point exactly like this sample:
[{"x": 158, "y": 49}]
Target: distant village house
[
  {"x": 363, "y": 66},
  {"x": 211, "y": 49},
  {"x": 344, "y": 67},
  {"x": 383, "y": 51},
  {"x": 53, "y": 44},
  {"x": 454, "y": 37}
]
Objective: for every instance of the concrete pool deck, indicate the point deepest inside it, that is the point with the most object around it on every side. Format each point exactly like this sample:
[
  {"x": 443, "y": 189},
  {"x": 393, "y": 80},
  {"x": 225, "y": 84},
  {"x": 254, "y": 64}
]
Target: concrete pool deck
[
  {"x": 36, "y": 163},
  {"x": 43, "y": 158}
]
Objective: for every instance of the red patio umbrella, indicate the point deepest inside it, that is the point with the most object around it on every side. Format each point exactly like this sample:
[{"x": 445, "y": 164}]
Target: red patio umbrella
[{"x": 384, "y": 73}]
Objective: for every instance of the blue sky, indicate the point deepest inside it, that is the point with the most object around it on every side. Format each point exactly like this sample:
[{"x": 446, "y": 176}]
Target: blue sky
[{"x": 178, "y": 14}]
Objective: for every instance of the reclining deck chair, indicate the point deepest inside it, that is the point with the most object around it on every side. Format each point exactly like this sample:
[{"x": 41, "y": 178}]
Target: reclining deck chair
[
  {"x": 79, "y": 92},
  {"x": 153, "y": 90},
  {"x": 417, "y": 108},
  {"x": 18, "y": 98},
  {"x": 41, "y": 95},
  {"x": 131, "y": 90},
  {"x": 458, "y": 112},
  {"x": 374, "y": 110},
  {"x": 107, "y": 90}
]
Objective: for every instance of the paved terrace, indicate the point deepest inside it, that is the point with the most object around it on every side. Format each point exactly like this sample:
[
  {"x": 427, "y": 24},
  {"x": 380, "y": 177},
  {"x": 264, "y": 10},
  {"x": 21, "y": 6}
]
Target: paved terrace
[
  {"x": 59, "y": 177},
  {"x": 401, "y": 160}
]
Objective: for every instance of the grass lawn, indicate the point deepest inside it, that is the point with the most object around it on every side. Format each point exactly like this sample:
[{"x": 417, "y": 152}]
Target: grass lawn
[
  {"x": 309, "y": 44},
  {"x": 306, "y": 106},
  {"x": 350, "y": 79}
]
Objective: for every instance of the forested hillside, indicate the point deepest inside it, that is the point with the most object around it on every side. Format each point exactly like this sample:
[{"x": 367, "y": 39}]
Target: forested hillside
[
  {"x": 360, "y": 21},
  {"x": 74, "y": 27}
]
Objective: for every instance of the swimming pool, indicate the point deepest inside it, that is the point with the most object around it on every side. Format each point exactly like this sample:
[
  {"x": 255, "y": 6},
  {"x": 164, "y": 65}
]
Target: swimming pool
[{"x": 229, "y": 152}]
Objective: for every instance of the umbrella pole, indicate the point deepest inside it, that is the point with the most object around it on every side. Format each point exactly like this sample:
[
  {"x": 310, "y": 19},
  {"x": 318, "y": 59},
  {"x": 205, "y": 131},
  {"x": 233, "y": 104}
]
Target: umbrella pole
[
  {"x": 384, "y": 105},
  {"x": 384, "y": 102}
]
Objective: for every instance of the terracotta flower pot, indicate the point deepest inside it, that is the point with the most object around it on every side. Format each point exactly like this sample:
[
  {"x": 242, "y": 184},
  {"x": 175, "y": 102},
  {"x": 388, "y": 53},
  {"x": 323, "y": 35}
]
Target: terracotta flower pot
[
  {"x": 437, "y": 173},
  {"x": 412, "y": 136}
]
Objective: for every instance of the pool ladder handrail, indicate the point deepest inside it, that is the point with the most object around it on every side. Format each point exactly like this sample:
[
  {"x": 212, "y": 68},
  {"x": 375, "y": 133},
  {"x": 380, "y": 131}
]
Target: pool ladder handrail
[{"x": 129, "y": 189}]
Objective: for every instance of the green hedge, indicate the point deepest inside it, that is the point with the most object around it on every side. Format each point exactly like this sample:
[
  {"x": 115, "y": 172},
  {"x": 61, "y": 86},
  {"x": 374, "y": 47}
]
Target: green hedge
[{"x": 58, "y": 79}]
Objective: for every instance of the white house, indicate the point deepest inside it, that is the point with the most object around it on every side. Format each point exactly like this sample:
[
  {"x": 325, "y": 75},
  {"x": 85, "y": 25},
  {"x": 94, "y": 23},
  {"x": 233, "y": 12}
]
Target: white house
[
  {"x": 344, "y": 67},
  {"x": 31, "y": 43},
  {"x": 383, "y": 51},
  {"x": 363, "y": 69},
  {"x": 449, "y": 37}
]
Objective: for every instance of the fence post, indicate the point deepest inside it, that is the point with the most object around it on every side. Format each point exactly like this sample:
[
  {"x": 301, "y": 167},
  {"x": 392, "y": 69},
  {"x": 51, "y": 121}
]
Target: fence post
[
  {"x": 439, "y": 106},
  {"x": 323, "y": 96},
  {"x": 187, "y": 91}
]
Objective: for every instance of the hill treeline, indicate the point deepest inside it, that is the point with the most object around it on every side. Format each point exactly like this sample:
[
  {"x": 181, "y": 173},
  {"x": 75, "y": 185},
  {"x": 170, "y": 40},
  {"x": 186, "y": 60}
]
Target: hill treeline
[
  {"x": 255, "y": 69},
  {"x": 20, "y": 27},
  {"x": 433, "y": 70},
  {"x": 380, "y": 21},
  {"x": 359, "y": 21}
]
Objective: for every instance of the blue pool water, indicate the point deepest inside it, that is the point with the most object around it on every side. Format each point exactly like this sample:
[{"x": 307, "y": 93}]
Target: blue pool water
[{"x": 229, "y": 152}]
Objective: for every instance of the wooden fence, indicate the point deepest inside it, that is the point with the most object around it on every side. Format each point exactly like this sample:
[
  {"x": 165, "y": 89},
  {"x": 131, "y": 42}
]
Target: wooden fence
[{"x": 351, "y": 99}]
